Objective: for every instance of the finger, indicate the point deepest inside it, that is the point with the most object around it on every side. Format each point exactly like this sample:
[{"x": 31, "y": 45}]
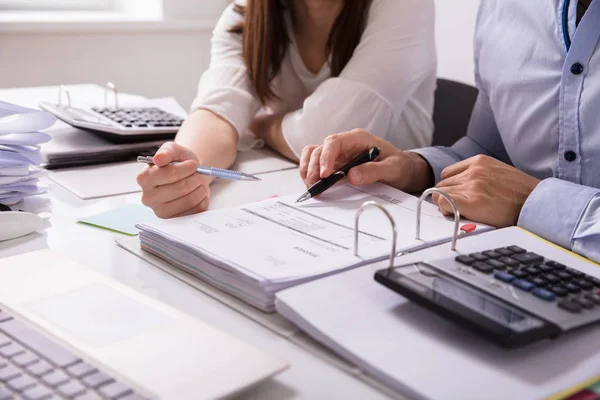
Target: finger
[
  {"x": 344, "y": 146},
  {"x": 373, "y": 172},
  {"x": 457, "y": 168},
  {"x": 314, "y": 172},
  {"x": 170, "y": 152},
  {"x": 453, "y": 180},
  {"x": 304, "y": 159},
  {"x": 461, "y": 201},
  {"x": 182, "y": 204},
  {"x": 203, "y": 206},
  {"x": 157, "y": 176},
  {"x": 166, "y": 193}
]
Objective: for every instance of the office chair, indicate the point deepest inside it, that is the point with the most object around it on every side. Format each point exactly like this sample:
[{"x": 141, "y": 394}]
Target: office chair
[{"x": 454, "y": 103}]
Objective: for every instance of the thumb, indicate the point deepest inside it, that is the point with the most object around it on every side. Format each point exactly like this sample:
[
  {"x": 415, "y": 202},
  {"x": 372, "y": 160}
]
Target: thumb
[
  {"x": 170, "y": 152},
  {"x": 371, "y": 172}
]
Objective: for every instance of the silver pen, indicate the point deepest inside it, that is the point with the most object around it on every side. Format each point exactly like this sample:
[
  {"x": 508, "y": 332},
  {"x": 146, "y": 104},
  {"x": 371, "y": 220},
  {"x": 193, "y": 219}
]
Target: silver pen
[{"x": 211, "y": 171}]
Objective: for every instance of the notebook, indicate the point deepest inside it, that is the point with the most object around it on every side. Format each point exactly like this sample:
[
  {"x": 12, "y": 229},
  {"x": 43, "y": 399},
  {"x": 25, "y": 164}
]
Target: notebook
[
  {"x": 255, "y": 250},
  {"x": 423, "y": 356}
]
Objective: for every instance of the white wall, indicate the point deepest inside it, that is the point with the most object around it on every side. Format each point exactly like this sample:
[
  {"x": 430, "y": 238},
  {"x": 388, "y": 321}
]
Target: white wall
[{"x": 156, "y": 61}]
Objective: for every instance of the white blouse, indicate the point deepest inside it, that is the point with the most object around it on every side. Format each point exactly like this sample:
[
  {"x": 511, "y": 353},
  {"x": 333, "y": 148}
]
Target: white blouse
[{"x": 387, "y": 87}]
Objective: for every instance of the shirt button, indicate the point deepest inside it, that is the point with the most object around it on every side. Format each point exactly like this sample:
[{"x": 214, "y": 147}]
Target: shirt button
[
  {"x": 576, "y": 68},
  {"x": 570, "y": 156}
]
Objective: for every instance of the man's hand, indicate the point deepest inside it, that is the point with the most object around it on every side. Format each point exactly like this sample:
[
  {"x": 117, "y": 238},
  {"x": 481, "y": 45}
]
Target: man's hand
[
  {"x": 485, "y": 190},
  {"x": 403, "y": 170}
]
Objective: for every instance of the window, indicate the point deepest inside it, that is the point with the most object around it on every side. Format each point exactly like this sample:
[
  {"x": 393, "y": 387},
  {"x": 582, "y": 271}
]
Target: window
[{"x": 58, "y": 5}]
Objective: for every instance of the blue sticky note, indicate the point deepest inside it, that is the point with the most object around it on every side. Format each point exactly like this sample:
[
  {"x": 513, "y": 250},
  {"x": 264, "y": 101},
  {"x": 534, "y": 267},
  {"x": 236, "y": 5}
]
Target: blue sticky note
[{"x": 121, "y": 220}]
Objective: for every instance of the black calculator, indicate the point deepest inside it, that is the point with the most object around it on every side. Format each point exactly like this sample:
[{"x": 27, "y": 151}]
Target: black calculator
[{"x": 510, "y": 295}]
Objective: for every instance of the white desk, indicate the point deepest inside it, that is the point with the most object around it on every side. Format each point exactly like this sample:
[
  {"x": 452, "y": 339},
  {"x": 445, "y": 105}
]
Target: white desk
[{"x": 308, "y": 378}]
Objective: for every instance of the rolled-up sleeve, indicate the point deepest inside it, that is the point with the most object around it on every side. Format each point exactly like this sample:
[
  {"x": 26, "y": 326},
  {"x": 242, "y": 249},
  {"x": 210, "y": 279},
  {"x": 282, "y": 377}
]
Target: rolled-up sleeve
[
  {"x": 225, "y": 87},
  {"x": 387, "y": 86}
]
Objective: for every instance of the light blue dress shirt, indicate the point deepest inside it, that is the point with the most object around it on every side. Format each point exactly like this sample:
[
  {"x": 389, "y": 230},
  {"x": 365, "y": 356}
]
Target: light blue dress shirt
[{"x": 538, "y": 109}]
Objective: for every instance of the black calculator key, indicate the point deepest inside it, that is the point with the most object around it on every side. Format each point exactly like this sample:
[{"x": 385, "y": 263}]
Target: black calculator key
[
  {"x": 583, "y": 302},
  {"x": 555, "y": 265},
  {"x": 573, "y": 288},
  {"x": 531, "y": 270},
  {"x": 545, "y": 268},
  {"x": 585, "y": 285},
  {"x": 519, "y": 273},
  {"x": 509, "y": 261},
  {"x": 569, "y": 305},
  {"x": 491, "y": 254},
  {"x": 559, "y": 291},
  {"x": 539, "y": 282},
  {"x": 574, "y": 272},
  {"x": 516, "y": 249},
  {"x": 483, "y": 267},
  {"x": 563, "y": 275},
  {"x": 551, "y": 278},
  {"x": 593, "y": 297},
  {"x": 596, "y": 282},
  {"x": 496, "y": 264},
  {"x": 506, "y": 277},
  {"x": 504, "y": 251},
  {"x": 528, "y": 258},
  {"x": 523, "y": 284},
  {"x": 479, "y": 257},
  {"x": 464, "y": 259},
  {"x": 543, "y": 294}
]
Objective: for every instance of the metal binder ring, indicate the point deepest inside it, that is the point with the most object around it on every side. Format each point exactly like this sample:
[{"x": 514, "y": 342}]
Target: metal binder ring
[
  {"x": 62, "y": 89},
  {"x": 454, "y": 209},
  {"x": 111, "y": 87},
  {"x": 392, "y": 222}
]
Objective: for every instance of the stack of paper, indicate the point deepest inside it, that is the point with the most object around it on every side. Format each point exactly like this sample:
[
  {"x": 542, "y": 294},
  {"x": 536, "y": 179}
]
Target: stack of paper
[
  {"x": 255, "y": 250},
  {"x": 20, "y": 139}
]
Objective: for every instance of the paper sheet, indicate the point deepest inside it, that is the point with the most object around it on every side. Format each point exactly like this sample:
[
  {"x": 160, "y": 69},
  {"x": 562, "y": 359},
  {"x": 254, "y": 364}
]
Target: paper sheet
[{"x": 121, "y": 220}]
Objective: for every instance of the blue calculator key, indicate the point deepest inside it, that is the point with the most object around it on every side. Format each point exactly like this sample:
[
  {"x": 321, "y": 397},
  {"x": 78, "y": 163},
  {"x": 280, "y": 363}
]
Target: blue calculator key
[
  {"x": 523, "y": 284},
  {"x": 504, "y": 277},
  {"x": 544, "y": 294}
]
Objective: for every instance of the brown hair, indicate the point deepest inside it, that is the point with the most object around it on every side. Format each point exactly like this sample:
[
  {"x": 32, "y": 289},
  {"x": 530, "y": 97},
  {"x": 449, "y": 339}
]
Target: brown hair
[{"x": 265, "y": 39}]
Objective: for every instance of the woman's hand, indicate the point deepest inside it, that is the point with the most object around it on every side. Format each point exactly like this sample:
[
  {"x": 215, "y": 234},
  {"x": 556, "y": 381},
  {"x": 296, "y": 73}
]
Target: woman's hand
[
  {"x": 174, "y": 190},
  {"x": 403, "y": 170}
]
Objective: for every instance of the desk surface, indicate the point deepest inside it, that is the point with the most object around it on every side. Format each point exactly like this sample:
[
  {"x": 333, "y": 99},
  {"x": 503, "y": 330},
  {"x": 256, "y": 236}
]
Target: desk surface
[{"x": 308, "y": 378}]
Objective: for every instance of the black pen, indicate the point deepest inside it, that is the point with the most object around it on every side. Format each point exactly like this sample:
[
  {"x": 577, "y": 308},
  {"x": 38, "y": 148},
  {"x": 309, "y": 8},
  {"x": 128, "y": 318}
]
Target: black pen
[{"x": 325, "y": 183}]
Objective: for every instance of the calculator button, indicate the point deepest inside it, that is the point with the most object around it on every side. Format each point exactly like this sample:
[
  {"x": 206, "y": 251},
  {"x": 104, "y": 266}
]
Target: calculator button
[
  {"x": 555, "y": 265},
  {"x": 509, "y": 261},
  {"x": 574, "y": 272},
  {"x": 532, "y": 270},
  {"x": 551, "y": 278},
  {"x": 479, "y": 257},
  {"x": 585, "y": 285},
  {"x": 563, "y": 275},
  {"x": 573, "y": 288},
  {"x": 544, "y": 294},
  {"x": 596, "y": 282},
  {"x": 464, "y": 259},
  {"x": 559, "y": 291},
  {"x": 541, "y": 282},
  {"x": 516, "y": 249},
  {"x": 545, "y": 268},
  {"x": 523, "y": 284},
  {"x": 585, "y": 303},
  {"x": 491, "y": 254},
  {"x": 504, "y": 251},
  {"x": 593, "y": 297},
  {"x": 519, "y": 273},
  {"x": 528, "y": 258},
  {"x": 569, "y": 305},
  {"x": 483, "y": 267},
  {"x": 506, "y": 277},
  {"x": 497, "y": 264}
]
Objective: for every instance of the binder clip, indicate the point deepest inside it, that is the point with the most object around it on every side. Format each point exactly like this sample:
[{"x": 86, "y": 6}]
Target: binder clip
[
  {"x": 392, "y": 222},
  {"x": 110, "y": 87},
  {"x": 426, "y": 194}
]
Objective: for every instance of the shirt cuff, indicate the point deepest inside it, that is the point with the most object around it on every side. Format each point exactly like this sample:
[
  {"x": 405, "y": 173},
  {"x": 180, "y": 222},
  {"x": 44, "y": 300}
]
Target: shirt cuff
[
  {"x": 437, "y": 158},
  {"x": 554, "y": 210}
]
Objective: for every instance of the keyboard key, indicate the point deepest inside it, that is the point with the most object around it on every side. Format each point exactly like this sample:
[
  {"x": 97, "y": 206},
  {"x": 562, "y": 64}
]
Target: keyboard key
[
  {"x": 574, "y": 272},
  {"x": 544, "y": 294},
  {"x": 504, "y": 251},
  {"x": 551, "y": 278},
  {"x": 81, "y": 369},
  {"x": 555, "y": 265},
  {"x": 11, "y": 350},
  {"x": 55, "y": 378},
  {"x": 114, "y": 390},
  {"x": 96, "y": 379},
  {"x": 509, "y": 261},
  {"x": 531, "y": 270},
  {"x": 528, "y": 258},
  {"x": 21, "y": 383},
  {"x": 88, "y": 396},
  {"x": 545, "y": 268},
  {"x": 23, "y": 360},
  {"x": 479, "y": 257},
  {"x": 39, "y": 368},
  {"x": 563, "y": 275},
  {"x": 37, "y": 393},
  {"x": 71, "y": 389},
  {"x": 483, "y": 267},
  {"x": 570, "y": 306},
  {"x": 516, "y": 249},
  {"x": 496, "y": 264},
  {"x": 504, "y": 277},
  {"x": 9, "y": 372},
  {"x": 559, "y": 291},
  {"x": 519, "y": 273},
  {"x": 585, "y": 303},
  {"x": 523, "y": 284},
  {"x": 464, "y": 259},
  {"x": 593, "y": 297},
  {"x": 572, "y": 288},
  {"x": 6, "y": 394},
  {"x": 582, "y": 283},
  {"x": 38, "y": 343},
  {"x": 540, "y": 282},
  {"x": 491, "y": 254}
]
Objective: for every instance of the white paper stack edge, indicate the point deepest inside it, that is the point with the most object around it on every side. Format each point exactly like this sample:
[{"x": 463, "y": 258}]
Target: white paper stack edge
[{"x": 20, "y": 140}]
